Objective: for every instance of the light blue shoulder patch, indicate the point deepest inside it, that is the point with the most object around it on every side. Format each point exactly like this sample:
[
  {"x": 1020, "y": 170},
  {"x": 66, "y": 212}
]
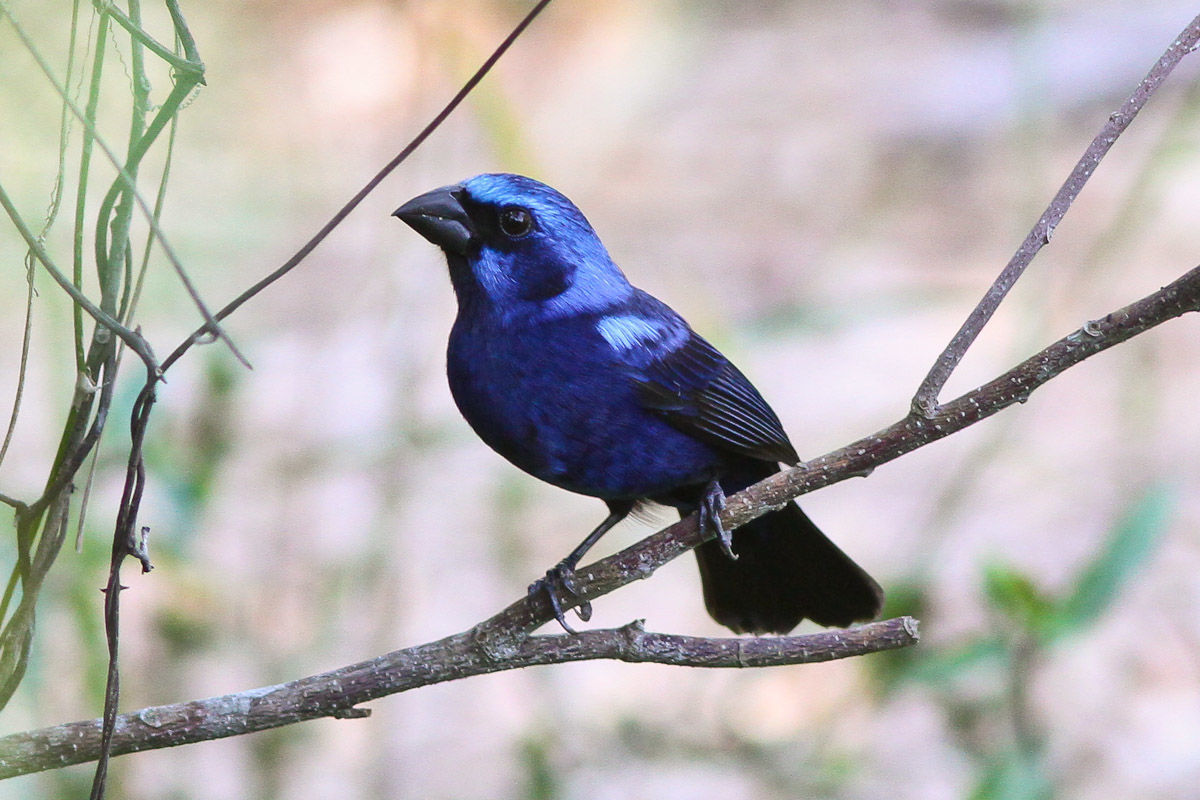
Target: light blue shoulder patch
[{"x": 628, "y": 332}]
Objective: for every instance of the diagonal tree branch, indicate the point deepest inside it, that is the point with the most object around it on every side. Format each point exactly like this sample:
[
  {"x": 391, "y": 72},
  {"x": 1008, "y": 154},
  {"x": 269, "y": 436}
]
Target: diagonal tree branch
[{"x": 926, "y": 398}]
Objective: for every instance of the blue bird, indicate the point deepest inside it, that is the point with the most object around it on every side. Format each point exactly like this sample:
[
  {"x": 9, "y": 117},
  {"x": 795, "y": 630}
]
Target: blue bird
[{"x": 580, "y": 379}]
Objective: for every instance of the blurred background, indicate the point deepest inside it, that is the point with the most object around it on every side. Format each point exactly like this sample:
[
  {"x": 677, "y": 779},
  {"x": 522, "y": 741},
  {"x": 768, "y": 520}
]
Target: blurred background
[{"x": 824, "y": 190}]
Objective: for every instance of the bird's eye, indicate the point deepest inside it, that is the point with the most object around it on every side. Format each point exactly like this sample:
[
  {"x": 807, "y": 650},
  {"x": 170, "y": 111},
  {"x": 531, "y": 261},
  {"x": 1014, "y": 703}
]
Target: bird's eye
[{"x": 516, "y": 222}]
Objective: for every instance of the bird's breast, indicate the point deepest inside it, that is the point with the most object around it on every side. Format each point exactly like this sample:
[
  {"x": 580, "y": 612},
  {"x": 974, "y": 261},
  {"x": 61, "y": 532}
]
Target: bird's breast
[{"x": 554, "y": 401}]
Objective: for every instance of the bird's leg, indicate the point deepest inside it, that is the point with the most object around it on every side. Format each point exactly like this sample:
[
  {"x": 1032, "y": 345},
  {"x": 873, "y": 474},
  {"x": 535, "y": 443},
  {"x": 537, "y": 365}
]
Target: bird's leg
[
  {"x": 560, "y": 584},
  {"x": 711, "y": 506}
]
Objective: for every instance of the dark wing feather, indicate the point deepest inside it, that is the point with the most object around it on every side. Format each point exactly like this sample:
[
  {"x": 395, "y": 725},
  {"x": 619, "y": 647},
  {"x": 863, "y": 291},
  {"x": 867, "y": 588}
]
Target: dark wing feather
[{"x": 698, "y": 391}]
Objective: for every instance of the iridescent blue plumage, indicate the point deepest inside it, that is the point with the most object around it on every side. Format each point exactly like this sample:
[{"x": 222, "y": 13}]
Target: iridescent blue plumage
[{"x": 584, "y": 381}]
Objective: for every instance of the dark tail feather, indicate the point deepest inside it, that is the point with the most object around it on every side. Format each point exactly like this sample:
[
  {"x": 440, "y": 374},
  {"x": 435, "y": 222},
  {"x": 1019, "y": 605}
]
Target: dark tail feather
[{"x": 786, "y": 571}]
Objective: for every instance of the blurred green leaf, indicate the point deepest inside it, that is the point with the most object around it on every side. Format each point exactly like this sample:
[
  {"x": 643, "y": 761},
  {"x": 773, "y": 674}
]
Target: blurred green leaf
[
  {"x": 946, "y": 665},
  {"x": 1134, "y": 539},
  {"x": 1014, "y": 775},
  {"x": 928, "y": 664},
  {"x": 1015, "y": 595},
  {"x": 906, "y": 598},
  {"x": 541, "y": 777},
  {"x": 1019, "y": 600}
]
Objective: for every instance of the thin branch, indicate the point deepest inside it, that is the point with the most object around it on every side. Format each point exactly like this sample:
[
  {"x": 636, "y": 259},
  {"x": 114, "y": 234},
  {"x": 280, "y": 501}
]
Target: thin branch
[
  {"x": 135, "y": 341},
  {"x": 101, "y": 22},
  {"x": 135, "y": 482},
  {"x": 56, "y": 195},
  {"x": 184, "y": 35},
  {"x": 110, "y": 262},
  {"x": 18, "y": 505},
  {"x": 188, "y": 65},
  {"x": 926, "y": 399},
  {"x": 167, "y": 112},
  {"x": 337, "y": 693},
  {"x": 320, "y": 236},
  {"x": 23, "y": 363}
]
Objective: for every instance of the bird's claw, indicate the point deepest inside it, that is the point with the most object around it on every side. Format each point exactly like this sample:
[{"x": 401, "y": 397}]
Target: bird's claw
[
  {"x": 710, "y": 517},
  {"x": 562, "y": 590}
]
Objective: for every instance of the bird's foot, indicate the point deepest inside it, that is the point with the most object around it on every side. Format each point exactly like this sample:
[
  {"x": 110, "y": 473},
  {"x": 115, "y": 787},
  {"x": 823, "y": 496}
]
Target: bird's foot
[
  {"x": 562, "y": 589},
  {"x": 711, "y": 507}
]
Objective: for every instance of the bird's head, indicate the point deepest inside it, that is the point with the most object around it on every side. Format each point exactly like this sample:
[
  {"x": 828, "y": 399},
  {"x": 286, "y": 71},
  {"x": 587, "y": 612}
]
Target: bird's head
[{"x": 517, "y": 246}]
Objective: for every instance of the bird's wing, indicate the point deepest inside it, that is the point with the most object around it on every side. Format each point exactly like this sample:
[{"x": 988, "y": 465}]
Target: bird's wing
[
  {"x": 698, "y": 391},
  {"x": 693, "y": 387}
]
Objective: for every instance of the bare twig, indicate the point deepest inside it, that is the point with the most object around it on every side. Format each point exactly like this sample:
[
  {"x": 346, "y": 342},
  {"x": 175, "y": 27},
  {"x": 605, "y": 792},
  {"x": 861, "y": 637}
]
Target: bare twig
[
  {"x": 338, "y": 693},
  {"x": 926, "y": 399},
  {"x": 124, "y": 544},
  {"x": 188, "y": 65},
  {"x": 56, "y": 195},
  {"x": 353, "y": 203},
  {"x": 131, "y": 338}
]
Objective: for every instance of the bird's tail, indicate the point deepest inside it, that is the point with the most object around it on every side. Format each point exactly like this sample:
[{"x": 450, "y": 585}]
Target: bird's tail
[{"x": 786, "y": 571}]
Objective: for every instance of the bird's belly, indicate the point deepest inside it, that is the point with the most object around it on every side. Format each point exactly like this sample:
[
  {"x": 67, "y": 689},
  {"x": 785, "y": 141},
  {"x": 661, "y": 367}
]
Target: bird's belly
[
  {"x": 623, "y": 453},
  {"x": 581, "y": 432}
]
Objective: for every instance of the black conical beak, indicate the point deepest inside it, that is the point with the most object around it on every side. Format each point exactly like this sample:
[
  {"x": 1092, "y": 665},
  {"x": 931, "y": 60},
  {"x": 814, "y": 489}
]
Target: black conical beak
[{"x": 439, "y": 216}]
